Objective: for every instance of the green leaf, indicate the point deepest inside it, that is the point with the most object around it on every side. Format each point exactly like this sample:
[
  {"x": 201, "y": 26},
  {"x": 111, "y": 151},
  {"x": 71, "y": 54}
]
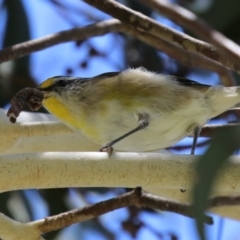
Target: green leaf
[{"x": 224, "y": 143}]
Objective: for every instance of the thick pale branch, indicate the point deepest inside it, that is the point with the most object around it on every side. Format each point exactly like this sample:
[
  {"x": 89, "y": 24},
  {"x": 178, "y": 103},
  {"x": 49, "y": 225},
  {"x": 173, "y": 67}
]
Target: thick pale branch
[
  {"x": 147, "y": 24},
  {"x": 10, "y": 229},
  {"x": 162, "y": 172},
  {"x": 42, "y": 135},
  {"x": 94, "y": 169}
]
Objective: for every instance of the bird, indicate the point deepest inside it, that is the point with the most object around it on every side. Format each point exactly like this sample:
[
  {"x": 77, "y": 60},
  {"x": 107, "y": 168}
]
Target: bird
[{"x": 136, "y": 109}]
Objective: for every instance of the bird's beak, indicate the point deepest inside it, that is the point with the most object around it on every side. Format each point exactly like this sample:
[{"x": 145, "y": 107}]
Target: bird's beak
[{"x": 45, "y": 91}]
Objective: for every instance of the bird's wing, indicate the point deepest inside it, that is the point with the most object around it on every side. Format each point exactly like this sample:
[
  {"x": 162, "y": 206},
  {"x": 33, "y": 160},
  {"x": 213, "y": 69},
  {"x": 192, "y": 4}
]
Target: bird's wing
[
  {"x": 189, "y": 83},
  {"x": 107, "y": 75}
]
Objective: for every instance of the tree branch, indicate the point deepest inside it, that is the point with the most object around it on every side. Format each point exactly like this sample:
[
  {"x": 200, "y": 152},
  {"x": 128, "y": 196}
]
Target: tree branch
[
  {"x": 137, "y": 198},
  {"x": 98, "y": 29},
  {"x": 147, "y": 24},
  {"x": 183, "y": 56},
  {"x": 41, "y": 135},
  {"x": 95, "y": 169},
  {"x": 208, "y": 130},
  {"x": 113, "y": 25},
  {"x": 199, "y": 27},
  {"x": 10, "y": 229},
  {"x": 224, "y": 201}
]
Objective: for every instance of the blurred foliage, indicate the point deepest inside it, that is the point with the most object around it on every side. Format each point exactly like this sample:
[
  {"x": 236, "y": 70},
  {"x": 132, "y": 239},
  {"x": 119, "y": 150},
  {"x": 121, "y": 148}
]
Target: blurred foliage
[
  {"x": 15, "y": 75},
  {"x": 228, "y": 24},
  {"x": 221, "y": 15},
  {"x": 224, "y": 143}
]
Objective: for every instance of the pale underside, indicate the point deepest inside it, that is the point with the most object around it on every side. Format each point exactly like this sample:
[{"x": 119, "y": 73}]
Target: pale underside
[{"x": 164, "y": 130}]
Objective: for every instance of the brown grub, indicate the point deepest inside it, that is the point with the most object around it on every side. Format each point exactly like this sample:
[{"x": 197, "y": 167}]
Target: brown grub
[{"x": 30, "y": 96}]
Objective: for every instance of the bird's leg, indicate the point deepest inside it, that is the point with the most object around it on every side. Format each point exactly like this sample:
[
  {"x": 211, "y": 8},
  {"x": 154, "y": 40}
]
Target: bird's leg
[
  {"x": 143, "y": 122},
  {"x": 196, "y": 132}
]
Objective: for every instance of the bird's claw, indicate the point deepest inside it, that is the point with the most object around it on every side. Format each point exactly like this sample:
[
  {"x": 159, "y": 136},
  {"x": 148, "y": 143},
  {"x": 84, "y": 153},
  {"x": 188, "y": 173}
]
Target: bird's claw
[{"x": 108, "y": 149}]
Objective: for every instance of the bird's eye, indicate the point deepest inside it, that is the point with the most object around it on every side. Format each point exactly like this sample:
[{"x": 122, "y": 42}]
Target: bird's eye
[{"x": 62, "y": 83}]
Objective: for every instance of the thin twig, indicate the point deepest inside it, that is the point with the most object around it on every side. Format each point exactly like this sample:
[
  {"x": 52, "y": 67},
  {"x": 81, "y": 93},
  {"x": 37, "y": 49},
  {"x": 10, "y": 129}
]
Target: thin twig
[
  {"x": 137, "y": 198},
  {"x": 149, "y": 25},
  {"x": 98, "y": 29},
  {"x": 208, "y": 130},
  {"x": 221, "y": 201}
]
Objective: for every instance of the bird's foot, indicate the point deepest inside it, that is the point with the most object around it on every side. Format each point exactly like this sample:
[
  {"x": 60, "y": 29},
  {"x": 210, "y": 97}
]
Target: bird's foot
[{"x": 108, "y": 149}]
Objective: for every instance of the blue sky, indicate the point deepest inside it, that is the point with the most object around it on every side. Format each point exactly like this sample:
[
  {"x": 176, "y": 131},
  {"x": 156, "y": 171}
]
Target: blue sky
[{"x": 65, "y": 55}]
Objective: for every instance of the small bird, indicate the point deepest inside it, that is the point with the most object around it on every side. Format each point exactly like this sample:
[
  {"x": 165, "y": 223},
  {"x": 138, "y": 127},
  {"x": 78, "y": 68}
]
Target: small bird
[{"x": 135, "y": 110}]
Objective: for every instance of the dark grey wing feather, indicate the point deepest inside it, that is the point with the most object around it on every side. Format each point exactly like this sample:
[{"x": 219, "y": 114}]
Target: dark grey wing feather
[
  {"x": 189, "y": 83},
  {"x": 107, "y": 75},
  {"x": 183, "y": 81}
]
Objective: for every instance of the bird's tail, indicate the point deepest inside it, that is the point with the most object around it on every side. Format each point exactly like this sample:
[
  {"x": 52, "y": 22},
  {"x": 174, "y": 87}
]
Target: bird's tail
[{"x": 223, "y": 98}]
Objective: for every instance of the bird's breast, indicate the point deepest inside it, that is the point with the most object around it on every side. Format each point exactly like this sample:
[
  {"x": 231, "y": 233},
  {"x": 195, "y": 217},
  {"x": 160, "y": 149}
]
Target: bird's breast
[{"x": 72, "y": 117}]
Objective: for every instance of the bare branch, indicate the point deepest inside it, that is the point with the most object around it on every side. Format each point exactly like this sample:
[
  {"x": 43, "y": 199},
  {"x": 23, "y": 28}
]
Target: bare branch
[
  {"x": 137, "y": 198},
  {"x": 224, "y": 201},
  {"x": 147, "y": 24},
  {"x": 192, "y": 22},
  {"x": 208, "y": 130},
  {"x": 11, "y": 229},
  {"x": 187, "y": 58},
  {"x": 75, "y": 34},
  {"x": 183, "y": 56}
]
